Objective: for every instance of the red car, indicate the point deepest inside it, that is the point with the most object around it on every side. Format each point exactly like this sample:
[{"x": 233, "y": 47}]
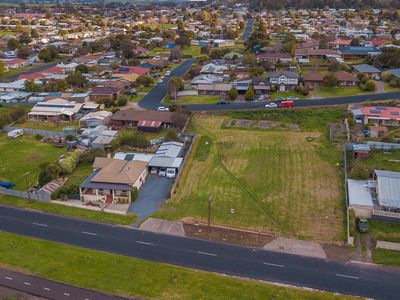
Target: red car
[{"x": 287, "y": 104}]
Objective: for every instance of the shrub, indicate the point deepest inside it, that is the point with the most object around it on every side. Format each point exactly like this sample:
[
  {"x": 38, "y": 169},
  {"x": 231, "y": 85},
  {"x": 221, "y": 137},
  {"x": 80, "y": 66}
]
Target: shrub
[
  {"x": 132, "y": 138},
  {"x": 233, "y": 94},
  {"x": 38, "y": 137},
  {"x": 249, "y": 95},
  {"x": 134, "y": 194},
  {"x": 359, "y": 172},
  {"x": 63, "y": 192}
]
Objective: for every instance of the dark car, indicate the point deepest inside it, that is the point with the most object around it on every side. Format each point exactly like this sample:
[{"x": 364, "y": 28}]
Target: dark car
[
  {"x": 222, "y": 102},
  {"x": 362, "y": 225}
]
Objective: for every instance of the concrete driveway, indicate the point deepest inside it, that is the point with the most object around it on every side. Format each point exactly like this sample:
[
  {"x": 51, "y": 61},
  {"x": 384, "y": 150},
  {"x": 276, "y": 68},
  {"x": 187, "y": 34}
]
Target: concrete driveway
[{"x": 153, "y": 193}]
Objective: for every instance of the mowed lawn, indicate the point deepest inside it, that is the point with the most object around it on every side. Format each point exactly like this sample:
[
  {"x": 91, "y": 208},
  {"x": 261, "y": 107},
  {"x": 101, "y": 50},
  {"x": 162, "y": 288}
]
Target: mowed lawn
[
  {"x": 271, "y": 179},
  {"x": 22, "y": 155}
]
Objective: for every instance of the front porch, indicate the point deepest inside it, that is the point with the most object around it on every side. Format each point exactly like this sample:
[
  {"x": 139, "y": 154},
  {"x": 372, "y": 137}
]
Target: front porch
[{"x": 105, "y": 195}]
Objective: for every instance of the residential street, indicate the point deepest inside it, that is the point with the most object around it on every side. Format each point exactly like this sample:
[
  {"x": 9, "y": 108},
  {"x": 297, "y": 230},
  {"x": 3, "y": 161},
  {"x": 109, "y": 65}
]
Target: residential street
[
  {"x": 48, "y": 289},
  {"x": 348, "y": 278}
]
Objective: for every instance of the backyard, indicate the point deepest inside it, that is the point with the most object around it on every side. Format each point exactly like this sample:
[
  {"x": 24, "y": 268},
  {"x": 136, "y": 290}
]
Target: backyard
[
  {"x": 50, "y": 126},
  {"x": 287, "y": 181},
  {"x": 24, "y": 154}
]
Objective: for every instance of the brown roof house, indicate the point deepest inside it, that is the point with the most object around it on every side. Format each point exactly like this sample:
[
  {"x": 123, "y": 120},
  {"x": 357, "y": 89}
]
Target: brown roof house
[
  {"x": 221, "y": 89},
  {"x": 113, "y": 180},
  {"x": 143, "y": 120},
  {"x": 316, "y": 79},
  {"x": 103, "y": 92}
]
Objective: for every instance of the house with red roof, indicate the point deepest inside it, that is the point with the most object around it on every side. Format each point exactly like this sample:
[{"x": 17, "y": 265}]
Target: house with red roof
[
  {"x": 338, "y": 43},
  {"x": 378, "y": 115},
  {"x": 14, "y": 63},
  {"x": 138, "y": 50}
]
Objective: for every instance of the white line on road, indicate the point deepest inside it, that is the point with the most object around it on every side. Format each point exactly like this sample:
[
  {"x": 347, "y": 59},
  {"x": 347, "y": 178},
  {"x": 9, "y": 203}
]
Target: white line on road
[
  {"x": 27, "y": 283},
  {"x": 145, "y": 243},
  {"x": 66, "y": 294},
  {"x": 347, "y": 276},
  {"x": 88, "y": 233},
  {"x": 8, "y": 278},
  {"x": 47, "y": 289},
  {"x": 206, "y": 253},
  {"x": 273, "y": 265},
  {"x": 40, "y": 224}
]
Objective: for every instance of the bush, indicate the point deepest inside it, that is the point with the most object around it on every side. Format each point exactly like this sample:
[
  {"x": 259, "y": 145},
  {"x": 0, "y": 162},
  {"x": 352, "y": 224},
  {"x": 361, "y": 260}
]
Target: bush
[
  {"x": 369, "y": 86},
  {"x": 134, "y": 194},
  {"x": 233, "y": 94},
  {"x": 68, "y": 164},
  {"x": 171, "y": 135},
  {"x": 132, "y": 138},
  {"x": 249, "y": 95},
  {"x": 90, "y": 155},
  {"x": 122, "y": 101},
  {"x": 38, "y": 137},
  {"x": 63, "y": 192},
  {"x": 359, "y": 172},
  {"x": 44, "y": 178},
  {"x": 69, "y": 137}
]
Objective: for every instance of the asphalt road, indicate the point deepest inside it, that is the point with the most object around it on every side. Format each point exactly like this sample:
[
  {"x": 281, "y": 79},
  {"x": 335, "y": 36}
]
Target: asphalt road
[
  {"x": 48, "y": 289},
  {"x": 348, "y": 278},
  {"x": 153, "y": 98},
  {"x": 248, "y": 29},
  {"x": 34, "y": 70}
]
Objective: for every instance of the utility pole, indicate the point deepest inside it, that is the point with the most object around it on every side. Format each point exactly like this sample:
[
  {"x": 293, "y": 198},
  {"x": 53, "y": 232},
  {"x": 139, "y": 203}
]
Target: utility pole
[
  {"x": 209, "y": 213},
  {"x": 27, "y": 186}
]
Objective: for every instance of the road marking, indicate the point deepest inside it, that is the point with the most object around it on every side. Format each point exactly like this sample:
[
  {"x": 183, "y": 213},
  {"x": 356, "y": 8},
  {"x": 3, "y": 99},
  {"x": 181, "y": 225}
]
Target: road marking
[
  {"x": 40, "y": 224},
  {"x": 88, "y": 233},
  {"x": 8, "y": 278},
  {"x": 347, "y": 276},
  {"x": 145, "y": 243},
  {"x": 27, "y": 283},
  {"x": 273, "y": 265},
  {"x": 66, "y": 294},
  {"x": 206, "y": 253},
  {"x": 47, "y": 289}
]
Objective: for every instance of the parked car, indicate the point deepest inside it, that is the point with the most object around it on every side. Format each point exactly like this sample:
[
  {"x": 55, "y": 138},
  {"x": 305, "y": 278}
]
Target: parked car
[
  {"x": 131, "y": 91},
  {"x": 280, "y": 99},
  {"x": 153, "y": 171},
  {"x": 222, "y": 102},
  {"x": 160, "y": 81},
  {"x": 291, "y": 98},
  {"x": 163, "y": 108},
  {"x": 162, "y": 172},
  {"x": 262, "y": 97},
  {"x": 362, "y": 225},
  {"x": 287, "y": 104},
  {"x": 171, "y": 172},
  {"x": 271, "y": 105},
  {"x": 167, "y": 73}
]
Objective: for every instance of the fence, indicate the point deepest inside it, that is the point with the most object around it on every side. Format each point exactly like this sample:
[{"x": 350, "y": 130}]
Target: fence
[
  {"x": 386, "y": 214},
  {"x": 383, "y": 146},
  {"x": 40, "y": 196},
  {"x": 44, "y": 133},
  {"x": 350, "y": 239},
  {"x": 175, "y": 185}
]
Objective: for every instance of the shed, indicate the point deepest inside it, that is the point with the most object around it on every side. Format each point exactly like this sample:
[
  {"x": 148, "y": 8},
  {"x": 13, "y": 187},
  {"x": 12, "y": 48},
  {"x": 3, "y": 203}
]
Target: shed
[{"x": 360, "y": 198}]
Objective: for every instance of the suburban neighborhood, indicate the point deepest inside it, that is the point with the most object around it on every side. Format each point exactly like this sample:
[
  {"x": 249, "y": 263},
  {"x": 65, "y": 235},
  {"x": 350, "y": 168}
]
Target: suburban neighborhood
[{"x": 200, "y": 149}]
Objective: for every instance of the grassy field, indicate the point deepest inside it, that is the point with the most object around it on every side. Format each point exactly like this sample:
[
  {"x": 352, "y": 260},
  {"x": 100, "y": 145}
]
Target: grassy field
[
  {"x": 194, "y": 51},
  {"x": 382, "y": 160},
  {"x": 68, "y": 211},
  {"x": 133, "y": 277},
  {"x": 386, "y": 257},
  {"x": 385, "y": 231},
  {"x": 272, "y": 179},
  {"x": 193, "y": 99},
  {"x": 50, "y": 126},
  {"x": 339, "y": 91},
  {"x": 22, "y": 155}
]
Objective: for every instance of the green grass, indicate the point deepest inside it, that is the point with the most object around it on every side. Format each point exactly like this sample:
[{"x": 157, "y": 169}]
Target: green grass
[
  {"x": 24, "y": 154},
  {"x": 79, "y": 175},
  {"x": 385, "y": 231},
  {"x": 193, "y": 99},
  {"x": 388, "y": 88},
  {"x": 339, "y": 91},
  {"x": 381, "y": 161},
  {"x": 50, "y": 126},
  {"x": 133, "y": 277},
  {"x": 386, "y": 257},
  {"x": 69, "y": 211},
  {"x": 193, "y": 51},
  {"x": 286, "y": 94},
  {"x": 272, "y": 179}
]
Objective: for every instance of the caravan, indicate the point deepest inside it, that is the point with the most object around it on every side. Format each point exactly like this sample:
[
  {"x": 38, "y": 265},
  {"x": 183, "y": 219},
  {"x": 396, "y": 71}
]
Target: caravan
[{"x": 13, "y": 134}]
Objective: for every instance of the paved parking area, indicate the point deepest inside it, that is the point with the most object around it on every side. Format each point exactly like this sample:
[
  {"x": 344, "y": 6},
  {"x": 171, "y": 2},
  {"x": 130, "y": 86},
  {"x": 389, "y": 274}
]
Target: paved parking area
[{"x": 153, "y": 193}]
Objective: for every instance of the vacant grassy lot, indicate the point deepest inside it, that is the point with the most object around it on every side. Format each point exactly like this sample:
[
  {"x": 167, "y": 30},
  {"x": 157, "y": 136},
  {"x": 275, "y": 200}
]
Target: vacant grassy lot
[
  {"x": 22, "y": 155},
  {"x": 133, "y": 277},
  {"x": 271, "y": 179},
  {"x": 193, "y": 99},
  {"x": 339, "y": 91}
]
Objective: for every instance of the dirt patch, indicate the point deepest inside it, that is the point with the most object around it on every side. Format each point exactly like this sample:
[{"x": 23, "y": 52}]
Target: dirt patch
[
  {"x": 338, "y": 252},
  {"x": 243, "y": 123},
  {"x": 267, "y": 124},
  {"x": 36, "y": 156},
  {"x": 228, "y": 235}
]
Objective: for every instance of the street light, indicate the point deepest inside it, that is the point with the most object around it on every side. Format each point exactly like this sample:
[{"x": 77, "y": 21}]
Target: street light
[
  {"x": 209, "y": 213},
  {"x": 27, "y": 186}
]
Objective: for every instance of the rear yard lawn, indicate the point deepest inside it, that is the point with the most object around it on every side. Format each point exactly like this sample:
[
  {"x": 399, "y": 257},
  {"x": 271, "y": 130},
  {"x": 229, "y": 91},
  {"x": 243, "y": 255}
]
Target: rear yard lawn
[
  {"x": 22, "y": 155},
  {"x": 50, "y": 126},
  {"x": 271, "y": 179},
  {"x": 382, "y": 160}
]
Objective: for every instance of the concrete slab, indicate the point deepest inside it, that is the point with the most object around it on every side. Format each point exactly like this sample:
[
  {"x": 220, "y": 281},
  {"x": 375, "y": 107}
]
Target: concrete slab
[
  {"x": 297, "y": 247},
  {"x": 163, "y": 226}
]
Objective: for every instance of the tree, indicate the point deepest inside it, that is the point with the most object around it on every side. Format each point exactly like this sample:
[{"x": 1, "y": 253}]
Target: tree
[
  {"x": 171, "y": 135},
  {"x": 44, "y": 55},
  {"x": 145, "y": 80},
  {"x": 82, "y": 68},
  {"x": 249, "y": 95},
  {"x": 233, "y": 94},
  {"x": 330, "y": 81},
  {"x": 2, "y": 67},
  {"x": 12, "y": 44},
  {"x": 25, "y": 38},
  {"x": 355, "y": 42},
  {"x": 175, "y": 84},
  {"x": 24, "y": 52},
  {"x": 76, "y": 80},
  {"x": 369, "y": 86},
  {"x": 34, "y": 33}
]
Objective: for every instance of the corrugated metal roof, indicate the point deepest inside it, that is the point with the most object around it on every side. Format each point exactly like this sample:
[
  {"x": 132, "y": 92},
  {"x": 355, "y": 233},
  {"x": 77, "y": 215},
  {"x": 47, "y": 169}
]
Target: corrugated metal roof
[
  {"x": 359, "y": 193},
  {"x": 388, "y": 188}
]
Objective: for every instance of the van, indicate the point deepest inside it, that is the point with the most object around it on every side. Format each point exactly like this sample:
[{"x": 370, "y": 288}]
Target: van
[
  {"x": 13, "y": 134},
  {"x": 287, "y": 104},
  {"x": 171, "y": 172}
]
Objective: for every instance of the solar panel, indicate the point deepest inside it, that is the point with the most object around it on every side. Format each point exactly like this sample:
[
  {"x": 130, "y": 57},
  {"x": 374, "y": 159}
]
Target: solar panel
[
  {"x": 381, "y": 107},
  {"x": 129, "y": 156},
  {"x": 394, "y": 113},
  {"x": 375, "y": 111}
]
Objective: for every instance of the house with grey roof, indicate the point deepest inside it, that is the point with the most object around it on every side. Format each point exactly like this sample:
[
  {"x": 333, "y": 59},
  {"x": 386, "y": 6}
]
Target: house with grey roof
[
  {"x": 388, "y": 190},
  {"x": 394, "y": 72},
  {"x": 368, "y": 70}
]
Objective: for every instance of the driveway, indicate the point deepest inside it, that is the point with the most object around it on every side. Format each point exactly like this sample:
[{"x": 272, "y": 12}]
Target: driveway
[{"x": 153, "y": 193}]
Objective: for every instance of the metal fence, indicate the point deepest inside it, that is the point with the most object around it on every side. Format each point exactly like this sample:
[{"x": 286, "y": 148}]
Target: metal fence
[
  {"x": 383, "y": 146},
  {"x": 40, "y": 196}
]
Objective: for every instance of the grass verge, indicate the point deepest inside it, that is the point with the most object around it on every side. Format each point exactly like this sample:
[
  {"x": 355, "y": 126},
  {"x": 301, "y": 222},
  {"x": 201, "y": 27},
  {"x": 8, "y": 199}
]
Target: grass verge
[
  {"x": 133, "y": 277},
  {"x": 68, "y": 211}
]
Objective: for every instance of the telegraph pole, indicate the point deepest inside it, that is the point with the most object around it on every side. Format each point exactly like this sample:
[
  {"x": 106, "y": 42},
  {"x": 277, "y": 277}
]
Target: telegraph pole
[{"x": 209, "y": 213}]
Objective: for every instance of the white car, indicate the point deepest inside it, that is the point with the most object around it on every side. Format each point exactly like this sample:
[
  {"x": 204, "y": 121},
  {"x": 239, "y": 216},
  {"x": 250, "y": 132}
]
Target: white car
[
  {"x": 162, "y": 172},
  {"x": 167, "y": 73},
  {"x": 262, "y": 97},
  {"x": 163, "y": 108},
  {"x": 271, "y": 105},
  {"x": 160, "y": 81},
  {"x": 292, "y": 98},
  {"x": 171, "y": 172}
]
